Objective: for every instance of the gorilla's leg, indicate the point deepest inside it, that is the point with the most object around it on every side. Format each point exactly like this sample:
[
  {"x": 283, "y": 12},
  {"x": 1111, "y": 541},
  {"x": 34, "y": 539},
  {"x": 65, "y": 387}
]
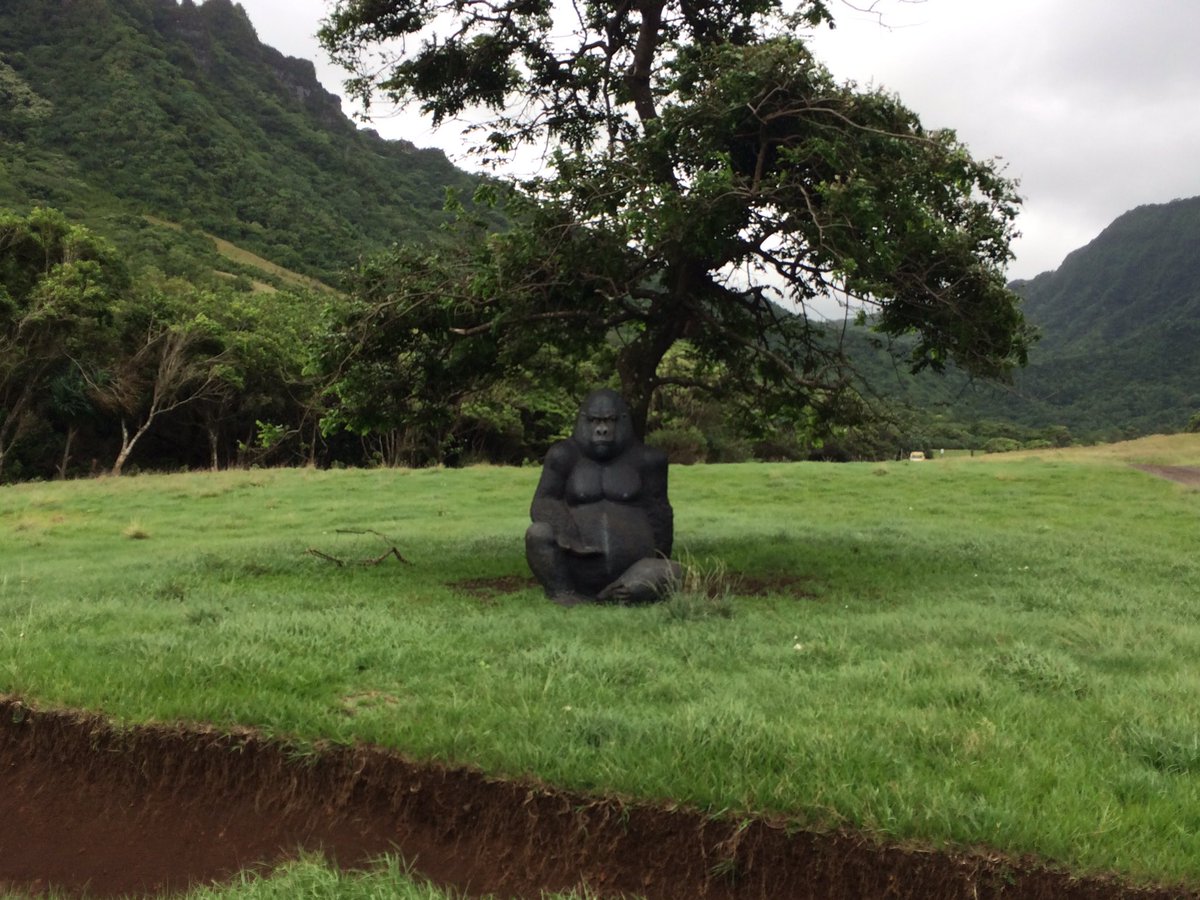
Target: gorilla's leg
[
  {"x": 548, "y": 562},
  {"x": 646, "y": 581}
]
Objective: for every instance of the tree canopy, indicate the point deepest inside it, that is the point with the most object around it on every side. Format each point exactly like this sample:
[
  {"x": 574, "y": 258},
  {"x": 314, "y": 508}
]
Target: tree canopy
[
  {"x": 57, "y": 283},
  {"x": 708, "y": 179}
]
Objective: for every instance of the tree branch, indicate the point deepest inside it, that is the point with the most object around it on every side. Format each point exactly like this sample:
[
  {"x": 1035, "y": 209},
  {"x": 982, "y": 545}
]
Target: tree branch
[{"x": 637, "y": 79}]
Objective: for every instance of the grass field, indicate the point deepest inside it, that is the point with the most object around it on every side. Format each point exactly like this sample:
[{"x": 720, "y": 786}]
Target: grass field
[{"x": 997, "y": 651}]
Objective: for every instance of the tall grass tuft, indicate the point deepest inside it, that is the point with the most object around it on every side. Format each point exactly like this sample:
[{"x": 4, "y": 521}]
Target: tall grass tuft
[{"x": 703, "y": 591}]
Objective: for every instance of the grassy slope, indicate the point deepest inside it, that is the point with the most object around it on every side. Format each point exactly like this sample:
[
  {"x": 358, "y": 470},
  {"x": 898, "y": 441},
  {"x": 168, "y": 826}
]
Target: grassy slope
[
  {"x": 245, "y": 258},
  {"x": 997, "y": 651}
]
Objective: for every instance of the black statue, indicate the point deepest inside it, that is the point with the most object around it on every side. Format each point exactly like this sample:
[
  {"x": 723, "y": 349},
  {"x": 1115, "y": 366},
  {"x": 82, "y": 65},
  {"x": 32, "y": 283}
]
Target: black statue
[{"x": 602, "y": 525}]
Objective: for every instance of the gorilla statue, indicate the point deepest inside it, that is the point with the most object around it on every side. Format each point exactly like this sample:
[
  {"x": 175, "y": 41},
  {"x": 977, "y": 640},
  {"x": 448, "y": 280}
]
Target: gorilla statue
[{"x": 602, "y": 525}]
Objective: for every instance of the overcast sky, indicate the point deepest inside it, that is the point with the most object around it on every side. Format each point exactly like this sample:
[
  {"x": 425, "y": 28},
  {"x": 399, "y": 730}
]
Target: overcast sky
[{"x": 1093, "y": 106}]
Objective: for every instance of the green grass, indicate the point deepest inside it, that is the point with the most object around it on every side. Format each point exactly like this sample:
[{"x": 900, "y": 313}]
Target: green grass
[
  {"x": 311, "y": 878},
  {"x": 989, "y": 652}
]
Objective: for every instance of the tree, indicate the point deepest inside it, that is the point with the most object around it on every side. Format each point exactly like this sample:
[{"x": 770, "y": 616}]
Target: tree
[
  {"x": 709, "y": 180},
  {"x": 161, "y": 359},
  {"x": 269, "y": 342},
  {"x": 57, "y": 283}
]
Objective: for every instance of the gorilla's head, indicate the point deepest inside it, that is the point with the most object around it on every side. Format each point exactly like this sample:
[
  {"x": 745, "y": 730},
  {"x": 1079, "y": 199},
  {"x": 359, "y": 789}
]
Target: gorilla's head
[{"x": 603, "y": 430}]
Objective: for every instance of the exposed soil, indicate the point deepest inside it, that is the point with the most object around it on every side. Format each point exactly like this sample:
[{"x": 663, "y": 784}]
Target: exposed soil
[
  {"x": 85, "y": 807},
  {"x": 747, "y": 585},
  {"x": 1189, "y": 475},
  {"x": 488, "y": 589}
]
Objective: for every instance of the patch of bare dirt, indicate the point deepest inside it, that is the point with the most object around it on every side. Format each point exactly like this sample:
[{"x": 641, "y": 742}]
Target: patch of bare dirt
[
  {"x": 85, "y": 807},
  {"x": 1189, "y": 475},
  {"x": 491, "y": 588},
  {"x": 746, "y": 585}
]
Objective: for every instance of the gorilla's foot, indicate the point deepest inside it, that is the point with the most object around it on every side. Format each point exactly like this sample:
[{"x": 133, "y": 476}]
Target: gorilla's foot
[{"x": 646, "y": 581}]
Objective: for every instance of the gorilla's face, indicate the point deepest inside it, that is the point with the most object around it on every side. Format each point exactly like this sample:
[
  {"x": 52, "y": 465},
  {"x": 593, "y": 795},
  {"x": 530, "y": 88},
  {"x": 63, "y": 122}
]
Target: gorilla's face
[{"x": 603, "y": 429}]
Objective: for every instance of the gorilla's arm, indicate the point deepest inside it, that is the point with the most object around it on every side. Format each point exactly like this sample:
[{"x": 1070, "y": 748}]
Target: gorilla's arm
[
  {"x": 550, "y": 499},
  {"x": 655, "y": 501}
]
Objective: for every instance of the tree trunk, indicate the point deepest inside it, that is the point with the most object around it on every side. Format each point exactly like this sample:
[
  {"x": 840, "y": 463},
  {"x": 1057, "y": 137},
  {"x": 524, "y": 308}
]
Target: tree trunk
[
  {"x": 213, "y": 462},
  {"x": 669, "y": 321},
  {"x": 127, "y": 444},
  {"x": 66, "y": 456},
  {"x": 13, "y": 425},
  {"x": 637, "y": 366}
]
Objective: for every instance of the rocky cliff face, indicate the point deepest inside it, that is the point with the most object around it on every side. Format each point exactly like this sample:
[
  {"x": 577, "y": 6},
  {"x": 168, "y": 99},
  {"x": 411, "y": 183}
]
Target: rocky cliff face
[{"x": 218, "y": 26}]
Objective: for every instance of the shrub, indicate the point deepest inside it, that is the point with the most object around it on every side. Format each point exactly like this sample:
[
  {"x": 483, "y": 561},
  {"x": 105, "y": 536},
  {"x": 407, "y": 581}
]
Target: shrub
[
  {"x": 683, "y": 445},
  {"x": 725, "y": 449},
  {"x": 1001, "y": 445}
]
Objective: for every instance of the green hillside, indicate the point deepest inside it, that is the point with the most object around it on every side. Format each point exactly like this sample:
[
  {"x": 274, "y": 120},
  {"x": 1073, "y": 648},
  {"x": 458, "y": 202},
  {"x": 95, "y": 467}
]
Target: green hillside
[
  {"x": 1119, "y": 323},
  {"x": 1139, "y": 278},
  {"x": 120, "y": 107}
]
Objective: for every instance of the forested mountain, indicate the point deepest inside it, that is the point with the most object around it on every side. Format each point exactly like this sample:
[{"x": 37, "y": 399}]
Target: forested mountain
[
  {"x": 1120, "y": 327},
  {"x": 164, "y": 176},
  {"x": 1120, "y": 322},
  {"x": 177, "y": 109},
  {"x": 1139, "y": 278}
]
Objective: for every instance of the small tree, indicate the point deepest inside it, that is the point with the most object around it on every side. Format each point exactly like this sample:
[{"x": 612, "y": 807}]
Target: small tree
[{"x": 160, "y": 360}]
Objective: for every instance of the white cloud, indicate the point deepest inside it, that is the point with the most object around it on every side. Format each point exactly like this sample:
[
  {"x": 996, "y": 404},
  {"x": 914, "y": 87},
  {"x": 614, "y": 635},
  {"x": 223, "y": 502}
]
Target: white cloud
[{"x": 1093, "y": 106}]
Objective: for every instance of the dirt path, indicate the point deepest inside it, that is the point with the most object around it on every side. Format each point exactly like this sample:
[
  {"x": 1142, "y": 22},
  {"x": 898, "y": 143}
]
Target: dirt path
[
  {"x": 1189, "y": 475},
  {"x": 84, "y": 807}
]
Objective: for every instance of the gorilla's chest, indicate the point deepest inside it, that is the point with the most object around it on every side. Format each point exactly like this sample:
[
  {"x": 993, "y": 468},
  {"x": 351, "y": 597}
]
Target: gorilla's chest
[{"x": 591, "y": 482}]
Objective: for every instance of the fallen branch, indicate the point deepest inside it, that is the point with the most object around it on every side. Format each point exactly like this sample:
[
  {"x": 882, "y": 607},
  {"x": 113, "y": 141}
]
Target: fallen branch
[
  {"x": 313, "y": 551},
  {"x": 391, "y": 551}
]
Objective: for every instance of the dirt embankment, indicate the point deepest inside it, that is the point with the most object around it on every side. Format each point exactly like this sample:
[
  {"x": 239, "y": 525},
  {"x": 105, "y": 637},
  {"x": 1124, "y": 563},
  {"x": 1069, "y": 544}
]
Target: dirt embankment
[{"x": 86, "y": 807}]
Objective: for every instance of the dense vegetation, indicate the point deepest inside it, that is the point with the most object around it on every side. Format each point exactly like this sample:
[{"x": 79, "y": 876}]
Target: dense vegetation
[
  {"x": 171, "y": 131},
  {"x": 92, "y": 360}
]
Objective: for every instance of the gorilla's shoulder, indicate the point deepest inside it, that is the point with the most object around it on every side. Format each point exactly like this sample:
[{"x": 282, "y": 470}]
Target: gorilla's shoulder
[
  {"x": 562, "y": 455},
  {"x": 654, "y": 458}
]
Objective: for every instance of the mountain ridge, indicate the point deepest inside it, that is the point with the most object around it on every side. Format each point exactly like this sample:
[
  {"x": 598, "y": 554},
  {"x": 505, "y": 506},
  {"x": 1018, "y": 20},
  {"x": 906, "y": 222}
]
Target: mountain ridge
[
  {"x": 178, "y": 109},
  {"x": 1143, "y": 257}
]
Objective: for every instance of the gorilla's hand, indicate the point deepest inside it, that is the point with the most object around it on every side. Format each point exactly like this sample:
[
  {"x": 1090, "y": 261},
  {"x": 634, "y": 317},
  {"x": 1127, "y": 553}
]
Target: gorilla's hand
[
  {"x": 618, "y": 592},
  {"x": 572, "y": 544}
]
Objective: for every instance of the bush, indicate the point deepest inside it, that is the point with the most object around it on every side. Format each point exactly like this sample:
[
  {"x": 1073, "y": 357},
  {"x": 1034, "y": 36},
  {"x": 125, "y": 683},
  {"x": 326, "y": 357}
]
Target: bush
[
  {"x": 725, "y": 449},
  {"x": 683, "y": 445},
  {"x": 1001, "y": 445}
]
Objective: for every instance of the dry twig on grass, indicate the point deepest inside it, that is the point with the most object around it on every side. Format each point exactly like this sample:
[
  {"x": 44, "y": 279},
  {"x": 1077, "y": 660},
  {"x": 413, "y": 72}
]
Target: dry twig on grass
[{"x": 374, "y": 561}]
